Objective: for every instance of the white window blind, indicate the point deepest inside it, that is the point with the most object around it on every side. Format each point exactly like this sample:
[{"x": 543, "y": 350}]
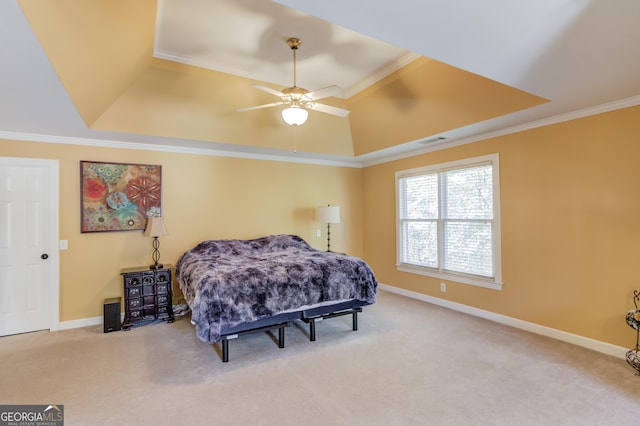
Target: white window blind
[{"x": 448, "y": 221}]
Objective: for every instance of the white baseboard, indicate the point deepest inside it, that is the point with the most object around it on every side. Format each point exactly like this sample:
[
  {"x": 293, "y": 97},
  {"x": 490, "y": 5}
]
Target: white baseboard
[
  {"x": 585, "y": 342},
  {"x": 596, "y": 345},
  {"x": 85, "y": 322}
]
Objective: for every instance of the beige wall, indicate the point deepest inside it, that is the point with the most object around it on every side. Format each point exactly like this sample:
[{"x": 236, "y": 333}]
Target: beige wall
[
  {"x": 203, "y": 197},
  {"x": 570, "y": 206},
  {"x": 570, "y": 209}
]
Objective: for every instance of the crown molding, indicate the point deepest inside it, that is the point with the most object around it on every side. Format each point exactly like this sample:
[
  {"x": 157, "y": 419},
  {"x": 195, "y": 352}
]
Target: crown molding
[
  {"x": 406, "y": 150},
  {"x": 409, "y": 149},
  {"x": 272, "y": 155},
  {"x": 194, "y": 62},
  {"x": 383, "y": 72}
]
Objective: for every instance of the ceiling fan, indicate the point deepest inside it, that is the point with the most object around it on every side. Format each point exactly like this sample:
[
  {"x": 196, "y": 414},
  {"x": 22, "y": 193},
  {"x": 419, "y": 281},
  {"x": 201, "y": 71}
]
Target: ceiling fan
[{"x": 298, "y": 99}]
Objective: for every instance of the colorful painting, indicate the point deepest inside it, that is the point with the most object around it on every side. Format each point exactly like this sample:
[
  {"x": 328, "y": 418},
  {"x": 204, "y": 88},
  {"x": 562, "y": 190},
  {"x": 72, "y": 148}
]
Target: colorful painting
[{"x": 119, "y": 197}]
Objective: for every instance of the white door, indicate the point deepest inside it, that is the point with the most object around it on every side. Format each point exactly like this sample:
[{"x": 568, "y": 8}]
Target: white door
[{"x": 28, "y": 245}]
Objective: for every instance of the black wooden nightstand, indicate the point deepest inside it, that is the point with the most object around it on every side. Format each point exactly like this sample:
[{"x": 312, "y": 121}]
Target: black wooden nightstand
[{"x": 147, "y": 294}]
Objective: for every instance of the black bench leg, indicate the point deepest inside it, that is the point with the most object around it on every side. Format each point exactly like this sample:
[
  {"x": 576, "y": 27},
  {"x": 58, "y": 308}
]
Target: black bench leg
[
  {"x": 355, "y": 321},
  {"x": 281, "y": 337},
  {"x": 225, "y": 350},
  {"x": 312, "y": 329}
]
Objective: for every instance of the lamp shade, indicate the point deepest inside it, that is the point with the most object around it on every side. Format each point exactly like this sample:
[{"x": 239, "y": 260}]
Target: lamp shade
[
  {"x": 155, "y": 227},
  {"x": 294, "y": 115},
  {"x": 329, "y": 214}
]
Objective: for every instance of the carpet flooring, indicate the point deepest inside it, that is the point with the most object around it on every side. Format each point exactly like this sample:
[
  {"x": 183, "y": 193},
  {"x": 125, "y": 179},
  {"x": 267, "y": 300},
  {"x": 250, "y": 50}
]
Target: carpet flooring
[{"x": 410, "y": 363}]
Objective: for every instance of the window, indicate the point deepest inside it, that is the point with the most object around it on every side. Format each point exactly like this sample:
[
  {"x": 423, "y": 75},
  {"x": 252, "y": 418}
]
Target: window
[{"x": 449, "y": 222}]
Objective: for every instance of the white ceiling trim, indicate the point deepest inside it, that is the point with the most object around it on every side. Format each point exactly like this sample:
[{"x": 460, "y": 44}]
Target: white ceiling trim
[
  {"x": 392, "y": 154},
  {"x": 381, "y": 73},
  {"x": 161, "y": 54},
  {"x": 399, "y": 152},
  {"x": 284, "y": 156}
]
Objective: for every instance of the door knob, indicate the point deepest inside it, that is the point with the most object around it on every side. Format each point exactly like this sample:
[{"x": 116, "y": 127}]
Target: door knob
[{"x": 44, "y": 256}]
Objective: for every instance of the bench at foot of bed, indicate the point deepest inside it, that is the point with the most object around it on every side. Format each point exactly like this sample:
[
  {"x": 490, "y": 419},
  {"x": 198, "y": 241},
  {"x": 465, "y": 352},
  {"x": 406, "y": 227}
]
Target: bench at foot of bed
[
  {"x": 225, "y": 339},
  {"x": 312, "y": 320}
]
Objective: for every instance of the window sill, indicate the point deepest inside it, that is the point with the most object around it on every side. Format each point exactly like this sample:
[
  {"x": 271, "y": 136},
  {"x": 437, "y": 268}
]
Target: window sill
[{"x": 478, "y": 282}]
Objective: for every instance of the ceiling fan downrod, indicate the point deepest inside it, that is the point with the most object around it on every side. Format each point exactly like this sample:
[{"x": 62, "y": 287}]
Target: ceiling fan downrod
[{"x": 294, "y": 43}]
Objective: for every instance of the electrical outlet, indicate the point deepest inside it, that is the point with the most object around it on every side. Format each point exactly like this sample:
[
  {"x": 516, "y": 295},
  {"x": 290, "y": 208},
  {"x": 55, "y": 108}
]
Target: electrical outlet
[
  {"x": 318, "y": 233},
  {"x": 443, "y": 287}
]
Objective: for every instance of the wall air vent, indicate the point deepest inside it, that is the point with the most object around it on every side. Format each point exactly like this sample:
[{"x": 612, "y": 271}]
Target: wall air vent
[{"x": 432, "y": 140}]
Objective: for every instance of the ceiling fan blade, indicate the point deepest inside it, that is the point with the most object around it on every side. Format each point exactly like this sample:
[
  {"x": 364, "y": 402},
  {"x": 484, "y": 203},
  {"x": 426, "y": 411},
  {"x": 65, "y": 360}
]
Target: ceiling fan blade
[
  {"x": 326, "y": 92},
  {"x": 260, "y": 106},
  {"x": 268, "y": 90},
  {"x": 340, "y": 112}
]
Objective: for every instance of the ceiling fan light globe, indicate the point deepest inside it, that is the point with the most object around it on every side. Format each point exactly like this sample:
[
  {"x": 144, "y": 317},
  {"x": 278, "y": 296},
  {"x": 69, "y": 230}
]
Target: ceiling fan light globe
[{"x": 294, "y": 115}]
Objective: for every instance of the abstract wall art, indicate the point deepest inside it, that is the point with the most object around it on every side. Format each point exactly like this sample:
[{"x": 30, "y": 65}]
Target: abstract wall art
[{"x": 118, "y": 196}]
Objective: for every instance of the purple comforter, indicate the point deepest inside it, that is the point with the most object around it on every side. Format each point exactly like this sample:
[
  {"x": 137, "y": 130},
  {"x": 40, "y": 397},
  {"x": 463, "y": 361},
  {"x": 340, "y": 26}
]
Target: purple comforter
[{"x": 229, "y": 282}]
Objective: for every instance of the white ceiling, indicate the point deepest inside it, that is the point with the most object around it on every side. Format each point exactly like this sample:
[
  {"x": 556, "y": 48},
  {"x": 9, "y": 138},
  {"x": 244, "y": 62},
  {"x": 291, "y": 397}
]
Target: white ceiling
[
  {"x": 248, "y": 38},
  {"x": 579, "y": 54}
]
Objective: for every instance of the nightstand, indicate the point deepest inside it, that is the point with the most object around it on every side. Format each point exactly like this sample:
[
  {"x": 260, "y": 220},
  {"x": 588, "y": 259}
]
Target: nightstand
[{"x": 147, "y": 294}]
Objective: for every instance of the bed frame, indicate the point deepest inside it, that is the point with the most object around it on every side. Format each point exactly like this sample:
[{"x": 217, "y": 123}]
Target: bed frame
[{"x": 281, "y": 321}]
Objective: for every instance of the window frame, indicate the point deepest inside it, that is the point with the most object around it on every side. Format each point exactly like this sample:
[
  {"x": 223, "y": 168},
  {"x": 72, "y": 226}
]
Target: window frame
[{"x": 494, "y": 283}]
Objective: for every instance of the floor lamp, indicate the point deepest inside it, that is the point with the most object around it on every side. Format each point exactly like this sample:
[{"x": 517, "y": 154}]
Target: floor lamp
[
  {"x": 155, "y": 228},
  {"x": 329, "y": 214}
]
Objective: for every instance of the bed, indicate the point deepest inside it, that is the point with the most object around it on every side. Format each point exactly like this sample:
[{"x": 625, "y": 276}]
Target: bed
[{"x": 234, "y": 287}]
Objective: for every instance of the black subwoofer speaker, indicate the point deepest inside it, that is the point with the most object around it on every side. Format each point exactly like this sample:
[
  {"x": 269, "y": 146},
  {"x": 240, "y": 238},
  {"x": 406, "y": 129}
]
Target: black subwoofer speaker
[{"x": 112, "y": 314}]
